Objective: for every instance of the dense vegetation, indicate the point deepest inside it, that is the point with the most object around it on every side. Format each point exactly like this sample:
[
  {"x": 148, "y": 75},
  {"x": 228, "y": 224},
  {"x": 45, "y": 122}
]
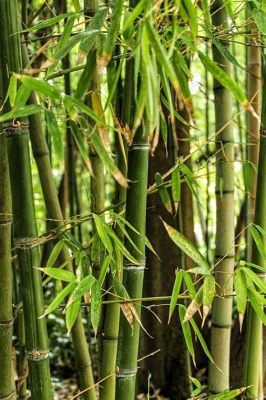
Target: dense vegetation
[{"x": 132, "y": 199}]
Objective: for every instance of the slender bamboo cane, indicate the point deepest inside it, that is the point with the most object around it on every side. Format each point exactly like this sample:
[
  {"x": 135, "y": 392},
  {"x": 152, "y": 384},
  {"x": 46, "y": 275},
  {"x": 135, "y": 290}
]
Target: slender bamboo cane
[
  {"x": 222, "y": 308},
  {"x": 112, "y": 313},
  {"x": 24, "y": 217},
  {"x": 6, "y": 313},
  {"x": 253, "y": 349}
]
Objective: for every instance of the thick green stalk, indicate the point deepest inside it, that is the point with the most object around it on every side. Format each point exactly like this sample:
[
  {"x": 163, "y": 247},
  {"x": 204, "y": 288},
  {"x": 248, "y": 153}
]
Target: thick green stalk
[
  {"x": 253, "y": 348},
  {"x": 41, "y": 155},
  {"x": 25, "y": 230},
  {"x": 222, "y": 308},
  {"x": 138, "y": 158},
  {"x": 6, "y": 313}
]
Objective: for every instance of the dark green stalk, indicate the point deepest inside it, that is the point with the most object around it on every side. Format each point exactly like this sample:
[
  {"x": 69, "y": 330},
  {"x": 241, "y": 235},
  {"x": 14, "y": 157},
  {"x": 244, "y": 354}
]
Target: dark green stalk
[
  {"x": 6, "y": 313},
  {"x": 24, "y": 217},
  {"x": 41, "y": 155},
  {"x": 222, "y": 308},
  {"x": 253, "y": 348}
]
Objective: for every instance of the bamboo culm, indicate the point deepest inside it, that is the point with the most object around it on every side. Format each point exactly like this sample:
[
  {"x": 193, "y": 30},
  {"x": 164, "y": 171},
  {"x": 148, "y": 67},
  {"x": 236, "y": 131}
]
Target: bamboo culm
[{"x": 222, "y": 308}]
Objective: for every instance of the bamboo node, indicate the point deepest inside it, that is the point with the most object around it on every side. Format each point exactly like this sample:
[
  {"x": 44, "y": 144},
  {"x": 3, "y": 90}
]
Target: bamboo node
[
  {"x": 27, "y": 243},
  {"x": 36, "y": 355},
  {"x": 126, "y": 373},
  {"x": 127, "y": 265},
  {"x": 7, "y": 323},
  {"x": 14, "y": 129},
  {"x": 6, "y": 219},
  {"x": 139, "y": 146}
]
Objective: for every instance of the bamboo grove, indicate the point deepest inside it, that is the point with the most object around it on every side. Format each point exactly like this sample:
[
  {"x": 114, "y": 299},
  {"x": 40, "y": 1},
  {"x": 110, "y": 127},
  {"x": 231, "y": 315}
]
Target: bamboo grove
[{"x": 132, "y": 199}]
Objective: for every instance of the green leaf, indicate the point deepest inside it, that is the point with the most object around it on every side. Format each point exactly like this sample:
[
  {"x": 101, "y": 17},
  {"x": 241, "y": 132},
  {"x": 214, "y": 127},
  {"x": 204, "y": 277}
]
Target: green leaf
[
  {"x": 251, "y": 275},
  {"x": 65, "y": 36},
  {"x": 104, "y": 268},
  {"x": 39, "y": 85},
  {"x": 176, "y": 186},
  {"x": 133, "y": 15},
  {"x": 46, "y": 23},
  {"x": 96, "y": 305},
  {"x": 20, "y": 112},
  {"x": 163, "y": 192},
  {"x": 201, "y": 339},
  {"x": 59, "y": 273},
  {"x": 175, "y": 292},
  {"x": 241, "y": 291},
  {"x": 161, "y": 55},
  {"x": 260, "y": 19},
  {"x": 95, "y": 26},
  {"x": 83, "y": 286},
  {"x": 208, "y": 290},
  {"x": 76, "y": 5},
  {"x": 81, "y": 144},
  {"x": 64, "y": 50},
  {"x": 186, "y": 331},
  {"x": 257, "y": 238},
  {"x": 72, "y": 313},
  {"x": 85, "y": 79},
  {"x": 102, "y": 232},
  {"x": 256, "y": 306},
  {"x": 192, "y": 16},
  {"x": 187, "y": 247},
  {"x": 189, "y": 284},
  {"x": 55, "y": 253},
  {"x": 113, "y": 31},
  {"x": 22, "y": 96},
  {"x": 223, "y": 78},
  {"x": 59, "y": 298},
  {"x": 54, "y": 131},
  {"x": 248, "y": 169},
  {"x": 228, "y": 395}
]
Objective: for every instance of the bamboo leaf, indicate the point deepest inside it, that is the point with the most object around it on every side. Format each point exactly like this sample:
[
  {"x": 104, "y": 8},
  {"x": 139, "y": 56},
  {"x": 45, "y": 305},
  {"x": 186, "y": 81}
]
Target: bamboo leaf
[
  {"x": 76, "y": 5},
  {"x": 59, "y": 298},
  {"x": 85, "y": 79},
  {"x": 175, "y": 293},
  {"x": 176, "y": 187},
  {"x": 81, "y": 145},
  {"x": 104, "y": 268},
  {"x": 195, "y": 305},
  {"x": 163, "y": 192},
  {"x": 224, "y": 79},
  {"x": 54, "y": 131},
  {"x": 47, "y": 23},
  {"x": 102, "y": 231},
  {"x": 39, "y": 85},
  {"x": 187, "y": 247},
  {"x": 113, "y": 31},
  {"x": 229, "y": 395},
  {"x": 133, "y": 15},
  {"x": 72, "y": 313},
  {"x": 20, "y": 112},
  {"x": 256, "y": 306},
  {"x": 201, "y": 339},
  {"x": 83, "y": 286},
  {"x": 96, "y": 305},
  {"x": 95, "y": 26},
  {"x": 64, "y": 50},
  {"x": 259, "y": 243},
  {"x": 208, "y": 295},
  {"x": 55, "y": 253},
  {"x": 186, "y": 331},
  {"x": 161, "y": 55},
  {"x": 59, "y": 273},
  {"x": 241, "y": 294},
  {"x": 189, "y": 284},
  {"x": 260, "y": 19},
  {"x": 192, "y": 16},
  {"x": 251, "y": 275},
  {"x": 22, "y": 96}
]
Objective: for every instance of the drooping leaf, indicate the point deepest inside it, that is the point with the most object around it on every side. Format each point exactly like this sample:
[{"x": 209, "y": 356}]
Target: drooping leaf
[
  {"x": 96, "y": 305},
  {"x": 82, "y": 287},
  {"x": 163, "y": 192},
  {"x": 55, "y": 253},
  {"x": 102, "y": 231},
  {"x": 59, "y": 298},
  {"x": 256, "y": 306},
  {"x": 186, "y": 331},
  {"x": 175, "y": 292},
  {"x": 40, "y": 86},
  {"x": 59, "y": 273},
  {"x": 46, "y": 23},
  {"x": 187, "y": 247},
  {"x": 241, "y": 294},
  {"x": 72, "y": 313},
  {"x": 21, "y": 112},
  {"x": 95, "y": 25},
  {"x": 56, "y": 136},
  {"x": 201, "y": 339}
]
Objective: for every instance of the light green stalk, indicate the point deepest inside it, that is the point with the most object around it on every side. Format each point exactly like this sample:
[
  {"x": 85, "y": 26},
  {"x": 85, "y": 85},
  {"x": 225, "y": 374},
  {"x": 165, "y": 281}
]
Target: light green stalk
[
  {"x": 253, "y": 348},
  {"x": 222, "y": 308},
  {"x": 6, "y": 314}
]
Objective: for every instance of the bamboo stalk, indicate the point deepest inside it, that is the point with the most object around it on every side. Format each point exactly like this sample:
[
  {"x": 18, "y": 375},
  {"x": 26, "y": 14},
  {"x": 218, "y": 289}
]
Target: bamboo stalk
[
  {"x": 6, "y": 313},
  {"x": 112, "y": 313},
  {"x": 253, "y": 348},
  {"x": 41, "y": 155},
  {"x": 24, "y": 217},
  {"x": 222, "y": 308}
]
